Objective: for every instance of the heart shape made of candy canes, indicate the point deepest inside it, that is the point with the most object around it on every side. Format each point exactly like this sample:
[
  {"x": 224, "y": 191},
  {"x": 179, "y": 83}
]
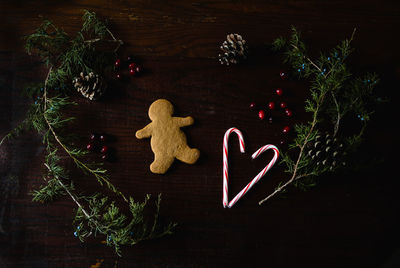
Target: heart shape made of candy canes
[{"x": 262, "y": 149}]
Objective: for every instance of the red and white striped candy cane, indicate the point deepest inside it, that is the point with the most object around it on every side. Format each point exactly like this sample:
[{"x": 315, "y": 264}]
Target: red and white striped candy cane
[
  {"x": 225, "y": 161},
  {"x": 260, "y": 175}
]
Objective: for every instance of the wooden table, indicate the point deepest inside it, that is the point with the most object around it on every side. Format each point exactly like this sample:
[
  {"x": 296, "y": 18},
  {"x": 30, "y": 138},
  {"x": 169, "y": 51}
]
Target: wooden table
[{"x": 348, "y": 220}]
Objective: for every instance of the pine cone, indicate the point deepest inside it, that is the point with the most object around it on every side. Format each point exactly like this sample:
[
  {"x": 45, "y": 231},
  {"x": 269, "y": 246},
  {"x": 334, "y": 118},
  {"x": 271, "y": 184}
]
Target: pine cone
[
  {"x": 91, "y": 86},
  {"x": 326, "y": 151},
  {"x": 234, "y": 49}
]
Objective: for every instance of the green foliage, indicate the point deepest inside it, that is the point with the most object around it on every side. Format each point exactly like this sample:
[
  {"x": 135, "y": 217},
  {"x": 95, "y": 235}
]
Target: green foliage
[
  {"x": 69, "y": 56},
  {"x": 66, "y": 57},
  {"x": 106, "y": 218},
  {"x": 335, "y": 94}
]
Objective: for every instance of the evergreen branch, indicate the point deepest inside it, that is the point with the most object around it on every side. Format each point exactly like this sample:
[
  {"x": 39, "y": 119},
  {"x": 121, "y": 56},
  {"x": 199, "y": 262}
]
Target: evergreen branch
[
  {"x": 97, "y": 173},
  {"x": 295, "y": 168},
  {"x": 66, "y": 57},
  {"x": 334, "y": 93}
]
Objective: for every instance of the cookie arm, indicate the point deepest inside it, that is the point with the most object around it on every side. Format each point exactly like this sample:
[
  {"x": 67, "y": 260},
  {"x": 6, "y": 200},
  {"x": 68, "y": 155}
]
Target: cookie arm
[
  {"x": 144, "y": 132},
  {"x": 184, "y": 121}
]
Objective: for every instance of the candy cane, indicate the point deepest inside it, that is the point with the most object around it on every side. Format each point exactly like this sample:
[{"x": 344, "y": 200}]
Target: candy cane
[
  {"x": 259, "y": 176},
  {"x": 225, "y": 161}
]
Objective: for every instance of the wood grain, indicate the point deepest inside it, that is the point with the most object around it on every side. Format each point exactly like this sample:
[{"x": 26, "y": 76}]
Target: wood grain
[{"x": 348, "y": 220}]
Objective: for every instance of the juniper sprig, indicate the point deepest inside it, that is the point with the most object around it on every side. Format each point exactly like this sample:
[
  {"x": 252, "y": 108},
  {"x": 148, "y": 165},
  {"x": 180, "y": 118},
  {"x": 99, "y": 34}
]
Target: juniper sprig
[
  {"x": 66, "y": 57},
  {"x": 335, "y": 94}
]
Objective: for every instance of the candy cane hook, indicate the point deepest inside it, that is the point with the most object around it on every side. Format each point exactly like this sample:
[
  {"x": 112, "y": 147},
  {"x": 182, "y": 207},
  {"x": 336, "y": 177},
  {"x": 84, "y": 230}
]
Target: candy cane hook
[{"x": 225, "y": 161}]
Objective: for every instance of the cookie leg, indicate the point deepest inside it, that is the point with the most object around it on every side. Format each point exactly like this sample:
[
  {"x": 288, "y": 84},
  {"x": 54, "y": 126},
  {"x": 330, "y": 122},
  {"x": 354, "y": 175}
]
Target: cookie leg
[
  {"x": 188, "y": 155},
  {"x": 161, "y": 163}
]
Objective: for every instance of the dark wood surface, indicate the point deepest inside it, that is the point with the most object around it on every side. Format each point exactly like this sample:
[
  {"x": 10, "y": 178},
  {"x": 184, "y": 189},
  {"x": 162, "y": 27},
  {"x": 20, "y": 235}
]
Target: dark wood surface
[{"x": 348, "y": 220}]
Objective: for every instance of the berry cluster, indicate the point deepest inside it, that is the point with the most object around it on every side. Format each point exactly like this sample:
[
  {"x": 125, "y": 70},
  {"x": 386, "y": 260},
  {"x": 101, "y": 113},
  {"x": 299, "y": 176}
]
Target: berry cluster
[
  {"x": 271, "y": 107},
  {"x": 133, "y": 68},
  {"x": 97, "y": 143}
]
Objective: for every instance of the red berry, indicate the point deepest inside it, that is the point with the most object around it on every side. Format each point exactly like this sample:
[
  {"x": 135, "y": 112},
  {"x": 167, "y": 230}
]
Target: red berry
[
  {"x": 282, "y": 74},
  {"x": 132, "y": 72},
  {"x": 104, "y": 149},
  {"x": 132, "y": 65},
  {"x": 102, "y": 138},
  {"x": 117, "y": 63},
  {"x": 288, "y": 112},
  {"x": 279, "y": 91},
  {"x": 271, "y": 105},
  {"x": 252, "y": 105},
  {"x": 138, "y": 69},
  {"x": 261, "y": 114},
  {"x": 90, "y": 146},
  {"x": 283, "y": 105},
  {"x": 93, "y": 137},
  {"x": 286, "y": 130}
]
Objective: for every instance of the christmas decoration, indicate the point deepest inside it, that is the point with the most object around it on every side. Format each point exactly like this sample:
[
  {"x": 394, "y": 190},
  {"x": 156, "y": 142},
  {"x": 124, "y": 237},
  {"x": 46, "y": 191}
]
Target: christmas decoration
[
  {"x": 67, "y": 57},
  {"x": 117, "y": 63},
  {"x": 252, "y": 105},
  {"x": 271, "y": 105},
  {"x": 279, "y": 91},
  {"x": 282, "y": 74},
  {"x": 286, "y": 130},
  {"x": 288, "y": 112},
  {"x": 326, "y": 150},
  {"x": 335, "y": 93},
  {"x": 90, "y": 146},
  {"x": 103, "y": 138},
  {"x": 91, "y": 86},
  {"x": 262, "y": 173},
  {"x": 261, "y": 114},
  {"x": 234, "y": 50},
  {"x": 168, "y": 142}
]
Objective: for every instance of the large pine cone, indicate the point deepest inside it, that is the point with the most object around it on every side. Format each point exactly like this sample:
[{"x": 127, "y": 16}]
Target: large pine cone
[
  {"x": 326, "y": 151},
  {"x": 91, "y": 86},
  {"x": 234, "y": 49}
]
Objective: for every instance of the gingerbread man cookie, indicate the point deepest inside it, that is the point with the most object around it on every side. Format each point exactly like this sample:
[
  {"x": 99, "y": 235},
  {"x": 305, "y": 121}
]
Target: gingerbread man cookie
[{"x": 167, "y": 140}]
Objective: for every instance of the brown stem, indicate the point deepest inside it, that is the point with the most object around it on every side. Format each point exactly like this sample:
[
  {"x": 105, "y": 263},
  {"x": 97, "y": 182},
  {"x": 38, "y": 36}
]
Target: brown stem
[
  {"x": 76, "y": 160},
  {"x": 336, "y": 127},
  {"x": 308, "y": 59}
]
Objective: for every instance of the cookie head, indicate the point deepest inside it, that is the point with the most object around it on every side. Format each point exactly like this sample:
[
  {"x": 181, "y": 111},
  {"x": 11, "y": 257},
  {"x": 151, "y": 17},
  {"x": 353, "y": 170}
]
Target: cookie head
[{"x": 160, "y": 108}]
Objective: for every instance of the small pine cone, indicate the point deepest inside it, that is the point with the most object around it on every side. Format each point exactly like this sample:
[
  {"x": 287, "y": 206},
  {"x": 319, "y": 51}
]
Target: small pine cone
[
  {"x": 234, "y": 49},
  {"x": 91, "y": 86},
  {"x": 326, "y": 151}
]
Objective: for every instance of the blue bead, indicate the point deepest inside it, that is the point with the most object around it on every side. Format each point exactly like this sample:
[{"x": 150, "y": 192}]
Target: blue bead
[
  {"x": 78, "y": 228},
  {"x": 41, "y": 89},
  {"x": 75, "y": 234},
  {"x": 298, "y": 70},
  {"x": 329, "y": 58},
  {"x": 35, "y": 102}
]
